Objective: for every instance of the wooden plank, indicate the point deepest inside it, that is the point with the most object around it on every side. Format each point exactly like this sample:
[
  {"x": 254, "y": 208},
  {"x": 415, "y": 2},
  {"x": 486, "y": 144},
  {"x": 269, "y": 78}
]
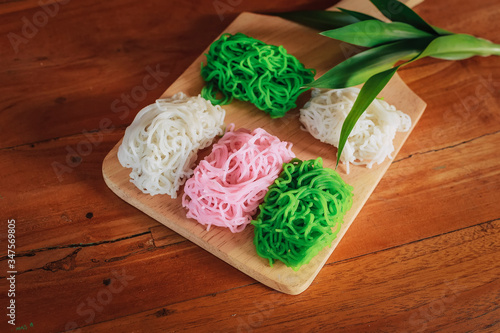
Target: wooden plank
[
  {"x": 63, "y": 85},
  {"x": 429, "y": 191},
  {"x": 429, "y": 285},
  {"x": 368, "y": 8},
  {"x": 463, "y": 108},
  {"x": 73, "y": 88},
  {"x": 238, "y": 250},
  {"x": 76, "y": 208},
  {"x": 70, "y": 278}
]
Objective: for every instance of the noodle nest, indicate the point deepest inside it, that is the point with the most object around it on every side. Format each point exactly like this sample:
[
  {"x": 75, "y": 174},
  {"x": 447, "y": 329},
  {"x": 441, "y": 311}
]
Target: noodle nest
[
  {"x": 301, "y": 213},
  {"x": 162, "y": 142},
  {"x": 250, "y": 70},
  {"x": 371, "y": 139},
  {"x": 228, "y": 185}
]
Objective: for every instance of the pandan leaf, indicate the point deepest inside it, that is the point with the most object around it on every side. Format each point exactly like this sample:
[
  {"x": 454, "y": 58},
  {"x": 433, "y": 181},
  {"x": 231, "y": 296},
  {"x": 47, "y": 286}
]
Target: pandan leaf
[
  {"x": 391, "y": 42},
  {"x": 368, "y": 93},
  {"x": 441, "y": 32},
  {"x": 459, "y": 46},
  {"x": 399, "y": 12},
  {"x": 372, "y": 33},
  {"x": 358, "y": 15},
  {"x": 362, "y": 66},
  {"x": 320, "y": 19}
]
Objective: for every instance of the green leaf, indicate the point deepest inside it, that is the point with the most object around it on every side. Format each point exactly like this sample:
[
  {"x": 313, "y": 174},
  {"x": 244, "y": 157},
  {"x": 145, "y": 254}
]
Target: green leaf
[
  {"x": 320, "y": 19},
  {"x": 393, "y": 43},
  {"x": 459, "y": 46},
  {"x": 362, "y": 66},
  {"x": 368, "y": 93},
  {"x": 441, "y": 32},
  {"x": 374, "y": 33},
  {"x": 358, "y": 15},
  {"x": 399, "y": 12}
]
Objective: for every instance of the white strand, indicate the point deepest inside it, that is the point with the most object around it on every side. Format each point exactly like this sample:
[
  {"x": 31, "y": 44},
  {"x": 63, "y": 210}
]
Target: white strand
[
  {"x": 162, "y": 142},
  {"x": 370, "y": 140}
]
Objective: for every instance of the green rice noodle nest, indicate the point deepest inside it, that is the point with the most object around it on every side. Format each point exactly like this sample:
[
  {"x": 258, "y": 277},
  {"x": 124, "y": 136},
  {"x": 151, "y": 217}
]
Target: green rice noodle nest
[
  {"x": 250, "y": 70},
  {"x": 302, "y": 213}
]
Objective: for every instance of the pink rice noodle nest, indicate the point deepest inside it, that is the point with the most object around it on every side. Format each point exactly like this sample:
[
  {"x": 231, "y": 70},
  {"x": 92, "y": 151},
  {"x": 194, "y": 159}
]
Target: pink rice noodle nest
[{"x": 230, "y": 183}]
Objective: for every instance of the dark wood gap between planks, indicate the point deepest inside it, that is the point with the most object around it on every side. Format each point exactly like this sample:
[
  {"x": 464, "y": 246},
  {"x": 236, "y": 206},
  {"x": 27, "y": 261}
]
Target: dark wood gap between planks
[
  {"x": 32, "y": 144},
  {"x": 446, "y": 147},
  {"x": 80, "y": 245}
]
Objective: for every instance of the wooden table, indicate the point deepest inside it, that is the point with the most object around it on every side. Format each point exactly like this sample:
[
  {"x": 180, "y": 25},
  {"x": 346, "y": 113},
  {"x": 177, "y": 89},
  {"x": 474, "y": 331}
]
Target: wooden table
[{"x": 423, "y": 254}]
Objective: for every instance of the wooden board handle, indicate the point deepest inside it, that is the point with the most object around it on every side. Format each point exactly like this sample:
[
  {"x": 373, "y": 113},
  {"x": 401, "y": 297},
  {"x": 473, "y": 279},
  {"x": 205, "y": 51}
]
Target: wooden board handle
[{"x": 365, "y": 6}]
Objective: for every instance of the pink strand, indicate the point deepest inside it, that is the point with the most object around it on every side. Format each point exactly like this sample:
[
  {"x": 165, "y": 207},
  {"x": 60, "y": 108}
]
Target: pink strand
[{"x": 230, "y": 183}]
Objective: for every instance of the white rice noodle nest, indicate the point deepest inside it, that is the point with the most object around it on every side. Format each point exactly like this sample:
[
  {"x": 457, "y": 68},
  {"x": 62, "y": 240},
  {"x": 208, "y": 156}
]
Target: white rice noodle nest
[
  {"x": 370, "y": 140},
  {"x": 162, "y": 142}
]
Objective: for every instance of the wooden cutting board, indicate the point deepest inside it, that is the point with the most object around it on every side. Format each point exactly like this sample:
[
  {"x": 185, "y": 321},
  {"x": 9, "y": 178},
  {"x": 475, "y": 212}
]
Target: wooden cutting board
[{"x": 314, "y": 51}]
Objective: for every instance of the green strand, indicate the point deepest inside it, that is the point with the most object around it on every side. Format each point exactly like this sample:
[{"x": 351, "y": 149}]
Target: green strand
[
  {"x": 302, "y": 213},
  {"x": 250, "y": 70}
]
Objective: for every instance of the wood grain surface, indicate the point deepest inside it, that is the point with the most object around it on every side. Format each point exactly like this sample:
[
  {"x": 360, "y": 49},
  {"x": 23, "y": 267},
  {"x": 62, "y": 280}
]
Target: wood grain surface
[
  {"x": 88, "y": 260},
  {"x": 238, "y": 249}
]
